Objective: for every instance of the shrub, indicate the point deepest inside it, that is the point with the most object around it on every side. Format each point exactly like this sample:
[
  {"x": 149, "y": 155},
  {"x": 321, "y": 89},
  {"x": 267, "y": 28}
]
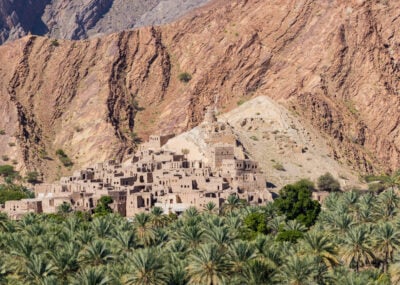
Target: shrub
[
  {"x": 55, "y": 43},
  {"x": 63, "y": 157},
  {"x": 32, "y": 177},
  {"x": 278, "y": 166},
  {"x": 2, "y": 132},
  {"x": 135, "y": 138},
  {"x": 43, "y": 154},
  {"x": 376, "y": 188},
  {"x": 5, "y": 158},
  {"x": 373, "y": 178},
  {"x": 7, "y": 170},
  {"x": 11, "y": 144},
  {"x": 185, "y": 77},
  {"x": 254, "y": 138},
  {"x": 326, "y": 182},
  {"x": 240, "y": 102}
]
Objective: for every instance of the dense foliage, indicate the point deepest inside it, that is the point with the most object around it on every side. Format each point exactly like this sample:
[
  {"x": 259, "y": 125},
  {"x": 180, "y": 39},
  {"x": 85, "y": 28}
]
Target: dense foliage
[
  {"x": 295, "y": 202},
  {"x": 9, "y": 190},
  {"x": 355, "y": 240}
]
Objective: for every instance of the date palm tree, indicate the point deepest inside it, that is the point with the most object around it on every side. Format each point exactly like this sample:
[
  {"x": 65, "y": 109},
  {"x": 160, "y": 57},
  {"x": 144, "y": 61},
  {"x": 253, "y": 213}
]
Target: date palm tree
[
  {"x": 158, "y": 219},
  {"x": 342, "y": 222},
  {"x": 191, "y": 235},
  {"x": 208, "y": 265},
  {"x": 146, "y": 268},
  {"x": 232, "y": 203},
  {"x": 36, "y": 268},
  {"x": 65, "y": 260},
  {"x": 388, "y": 203},
  {"x": 4, "y": 222},
  {"x": 240, "y": 254},
  {"x": 143, "y": 229},
  {"x": 176, "y": 274},
  {"x": 125, "y": 241},
  {"x": 356, "y": 248},
  {"x": 294, "y": 225},
  {"x": 219, "y": 235},
  {"x": 256, "y": 272},
  {"x": 91, "y": 276},
  {"x": 96, "y": 253},
  {"x": 210, "y": 207},
  {"x": 319, "y": 246},
  {"x": 297, "y": 271},
  {"x": 102, "y": 226},
  {"x": 387, "y": 241}
]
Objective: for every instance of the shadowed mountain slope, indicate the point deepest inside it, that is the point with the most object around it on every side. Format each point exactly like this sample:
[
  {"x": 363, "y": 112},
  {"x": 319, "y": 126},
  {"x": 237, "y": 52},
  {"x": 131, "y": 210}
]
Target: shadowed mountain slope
[{"x": 80, "y": 19}]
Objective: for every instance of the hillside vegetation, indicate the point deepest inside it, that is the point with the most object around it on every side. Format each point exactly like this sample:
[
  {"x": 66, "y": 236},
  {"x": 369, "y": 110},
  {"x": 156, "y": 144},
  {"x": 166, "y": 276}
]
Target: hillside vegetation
[{"x": 355, "y": 240}]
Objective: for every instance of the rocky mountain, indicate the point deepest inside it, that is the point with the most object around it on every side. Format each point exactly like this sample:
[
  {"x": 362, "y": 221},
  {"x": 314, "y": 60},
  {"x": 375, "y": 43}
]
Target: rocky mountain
[
  {"x": 334, "y": 65},
  {"x": 80, "y": 19}
]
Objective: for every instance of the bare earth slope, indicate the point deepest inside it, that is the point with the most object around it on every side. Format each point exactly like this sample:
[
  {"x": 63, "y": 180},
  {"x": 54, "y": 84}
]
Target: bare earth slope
[
  {"x": 274, "y": 137},
  {"x": 80, "y": 19},
  {"x": 334, "y": 64}
]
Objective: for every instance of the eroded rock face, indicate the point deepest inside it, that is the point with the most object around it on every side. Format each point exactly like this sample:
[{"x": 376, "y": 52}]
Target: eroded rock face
[
  {"x": 80, "y": 19},
  {"x": 335, "y": 64}
]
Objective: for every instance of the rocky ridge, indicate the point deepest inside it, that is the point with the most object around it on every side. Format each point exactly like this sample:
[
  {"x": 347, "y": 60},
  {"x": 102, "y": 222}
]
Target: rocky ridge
[{"x": 333, "y": 64}]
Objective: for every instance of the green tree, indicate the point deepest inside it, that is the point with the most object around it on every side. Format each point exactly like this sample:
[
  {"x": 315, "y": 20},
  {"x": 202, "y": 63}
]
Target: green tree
[
  {"x": 9, "y": 195},
  {"x": 255, "y": 223},
  {"x": 295, "y": 202},
  {"x": 103, "y": 206},
  {"x": 328, "y": 183}
]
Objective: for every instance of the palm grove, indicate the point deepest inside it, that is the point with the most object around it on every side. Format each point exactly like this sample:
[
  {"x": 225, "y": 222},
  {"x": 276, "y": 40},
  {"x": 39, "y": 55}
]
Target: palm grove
[{"x": 354, "y": 238}]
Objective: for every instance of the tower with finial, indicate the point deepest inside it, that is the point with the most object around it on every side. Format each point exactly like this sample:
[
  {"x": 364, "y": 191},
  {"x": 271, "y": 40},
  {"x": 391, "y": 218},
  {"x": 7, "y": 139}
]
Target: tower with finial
[{"x": 209, "y": 116}]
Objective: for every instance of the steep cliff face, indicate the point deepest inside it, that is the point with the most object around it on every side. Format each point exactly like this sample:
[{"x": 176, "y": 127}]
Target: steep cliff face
[
  {"x": 334, "y": 64},
  {"x": 80, "y": 19}
]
